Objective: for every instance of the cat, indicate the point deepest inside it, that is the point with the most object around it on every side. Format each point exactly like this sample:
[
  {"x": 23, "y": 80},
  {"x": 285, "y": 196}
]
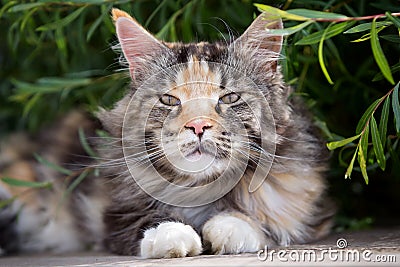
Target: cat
[{"x": 208, "y": 152}]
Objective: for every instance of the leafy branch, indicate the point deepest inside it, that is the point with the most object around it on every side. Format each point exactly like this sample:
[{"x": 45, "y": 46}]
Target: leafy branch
[
  {"x": 367, "y": 129},
  {"x": 368, "y": 124},
  {"x": 342, "y": 24}
]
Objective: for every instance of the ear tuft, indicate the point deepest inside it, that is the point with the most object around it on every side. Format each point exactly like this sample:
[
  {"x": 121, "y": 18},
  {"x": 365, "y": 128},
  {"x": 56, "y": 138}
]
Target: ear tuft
[{"x": 117, "y": 13}]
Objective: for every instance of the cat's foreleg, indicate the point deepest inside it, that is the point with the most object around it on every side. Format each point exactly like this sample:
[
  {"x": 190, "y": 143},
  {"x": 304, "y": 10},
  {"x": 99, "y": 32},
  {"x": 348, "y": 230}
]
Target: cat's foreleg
[
  {"x": 149, "y": 234},
  {"x": 233, "y": 233},
  {"x": 170, "y": 240}
]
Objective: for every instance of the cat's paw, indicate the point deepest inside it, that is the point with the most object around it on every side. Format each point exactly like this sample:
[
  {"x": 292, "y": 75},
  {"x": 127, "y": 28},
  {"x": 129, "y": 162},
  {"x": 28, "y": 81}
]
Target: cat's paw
[
  {"x": 228, "y": 234},
  {"x": 170, "y": 240}
]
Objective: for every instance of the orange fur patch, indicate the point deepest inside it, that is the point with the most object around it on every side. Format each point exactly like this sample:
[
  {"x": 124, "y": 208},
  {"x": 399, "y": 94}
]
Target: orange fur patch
[
  {"x": 21, "y": 170},
  {"x": 116, "y": 13}
]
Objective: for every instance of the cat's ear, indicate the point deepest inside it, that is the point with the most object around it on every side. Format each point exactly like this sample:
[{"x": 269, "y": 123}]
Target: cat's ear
[
  {"x": 266, "y": 44},
  {"x": 137, "y": 44}
]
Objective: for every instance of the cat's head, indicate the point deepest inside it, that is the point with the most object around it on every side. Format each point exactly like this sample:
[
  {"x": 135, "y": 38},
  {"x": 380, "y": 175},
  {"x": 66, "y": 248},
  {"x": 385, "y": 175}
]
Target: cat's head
[{"x": 199, "y": 109}]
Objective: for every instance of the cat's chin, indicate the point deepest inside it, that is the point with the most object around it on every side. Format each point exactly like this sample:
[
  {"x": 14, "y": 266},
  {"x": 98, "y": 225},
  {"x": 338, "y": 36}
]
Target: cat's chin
[
  {"x": 197, "y": 164},
  {"x": 195, "y": 156}
]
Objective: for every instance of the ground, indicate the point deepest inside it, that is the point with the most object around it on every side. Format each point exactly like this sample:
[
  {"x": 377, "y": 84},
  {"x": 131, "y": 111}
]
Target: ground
[{"x": 378, "y": 247}]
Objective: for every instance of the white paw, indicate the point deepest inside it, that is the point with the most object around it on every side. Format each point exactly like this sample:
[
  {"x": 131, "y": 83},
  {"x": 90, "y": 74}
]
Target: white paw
[
  {"x": 170, "y": 240},
  {"x": 231, "y": 235}
]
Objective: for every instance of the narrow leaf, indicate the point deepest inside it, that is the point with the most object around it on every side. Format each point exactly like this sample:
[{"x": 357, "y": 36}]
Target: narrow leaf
[
  {"x": 279, "y": 13},
  {"x": 62, "y": 22},
  {"x": 396, "y": 106},
  {"x": 313, "y": 14},
  {"x": 384, "y": 120},
  {"x": 336, "y": 144},
  {"x": 6, "y": 202},
  {"x": 97, "y": 22},
  {"x": 363, "y": 164},
  {"x": 350, "y": 167},
  {"x": 367, "y": 36},
  {"x": 391, "y": 38},
  {"x": 290, "y": 30},
  {"x": 377, "y": 144},
  {"x": 22, "y": 183},
  {"x": 333, "y": 31},
  {"x": 367, "y": 114},
  {"x": 52, "y": 165},
  {"x": 23, "y": 7},
  {"x": 85, "y": 144},
  {"x": 395, "y": 68},
  {"x": 30, "y": 104},
  {"x": 367, "y": 27},
  {"x": 364, "y": 141},
  {"x": 76, "y": 182},
  {"x": 378, "y": 54},
  {"x": 321, "y": 55},
  {"x": 6, "y": 7},
  {"x": 395, "y": 20}
]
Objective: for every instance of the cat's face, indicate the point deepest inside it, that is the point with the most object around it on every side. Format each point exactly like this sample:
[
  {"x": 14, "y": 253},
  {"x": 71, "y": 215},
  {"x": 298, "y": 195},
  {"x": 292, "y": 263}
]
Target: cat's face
[{"x": 200, "y": 108}]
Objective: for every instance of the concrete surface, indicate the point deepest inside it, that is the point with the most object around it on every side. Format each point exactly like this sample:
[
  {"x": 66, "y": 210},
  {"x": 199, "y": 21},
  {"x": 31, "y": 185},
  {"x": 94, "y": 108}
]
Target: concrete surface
[{"x": 379, "y": 247}]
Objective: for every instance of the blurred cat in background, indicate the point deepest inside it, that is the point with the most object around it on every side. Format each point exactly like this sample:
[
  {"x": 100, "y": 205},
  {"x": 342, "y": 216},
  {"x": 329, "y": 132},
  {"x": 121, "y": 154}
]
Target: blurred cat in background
[{"x": 208, "y": 152}]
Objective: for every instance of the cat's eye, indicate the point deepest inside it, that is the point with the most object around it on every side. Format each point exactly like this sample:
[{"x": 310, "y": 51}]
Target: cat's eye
[
  {"x": 170, "y": 100},
  {"x": 229, "y": 98}
]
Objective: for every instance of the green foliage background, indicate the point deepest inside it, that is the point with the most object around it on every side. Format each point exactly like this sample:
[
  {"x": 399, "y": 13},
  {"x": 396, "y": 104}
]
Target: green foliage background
[{"x": 57, "y": 55}]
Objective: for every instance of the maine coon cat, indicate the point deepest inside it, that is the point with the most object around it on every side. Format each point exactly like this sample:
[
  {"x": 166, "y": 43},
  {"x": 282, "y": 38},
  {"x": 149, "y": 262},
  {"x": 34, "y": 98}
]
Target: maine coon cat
[{"x": 207, "y": 152}]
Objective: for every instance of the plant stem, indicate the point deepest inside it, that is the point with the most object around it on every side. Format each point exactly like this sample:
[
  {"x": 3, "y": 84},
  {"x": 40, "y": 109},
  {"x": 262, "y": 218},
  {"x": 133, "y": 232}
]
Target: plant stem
[{"x": 356, "y": 18}]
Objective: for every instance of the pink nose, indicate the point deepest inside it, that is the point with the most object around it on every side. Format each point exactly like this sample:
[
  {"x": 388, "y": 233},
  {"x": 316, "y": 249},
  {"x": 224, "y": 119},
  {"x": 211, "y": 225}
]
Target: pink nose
[{"x": 199, "y": 125}]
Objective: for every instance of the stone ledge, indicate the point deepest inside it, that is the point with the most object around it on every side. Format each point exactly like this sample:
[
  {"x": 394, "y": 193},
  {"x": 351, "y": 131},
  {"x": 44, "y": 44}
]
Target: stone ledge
[{"x": 379, "y": 245}]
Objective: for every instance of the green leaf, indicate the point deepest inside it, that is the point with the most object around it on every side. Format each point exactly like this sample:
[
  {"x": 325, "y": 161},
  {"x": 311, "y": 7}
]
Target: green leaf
[
  {"x": 52, "y": 165},
  {"x": 312, "y": 14},
  {"x": 336, "y": 144},
  {"x": 49, "y": 84},
  {"x": 379, "y": 76},
  {"x": 367, "y": 26},
  {"x": 279, "y": 13},
  {"x": 62, "y": 22},
  {"x": 367, "y": 36},
  {"x": 384, "y": 120},
  {"x": 350, "y": 167},
  {"x": 85, "y": 144},
  {"x": 377, "y": 144},
  {"x": 333, "y": 31},
  {"x": 23, "y": 7},
  {"x": 6, "y": 202},
  {"x": 367, "y": 114},
  {"x": 290, "y": 30},
  {"x": 97, "y": 22},
  {"x": 391, "y": 38},
  {"x": 396, "y": 106},
  {"x": 29, "y": 105},
  {"x": 321, "y": 54},
  {"x": 363, "y": 164},
  {"x": 378, "y": 54},
  {"x": 7, "y": 6},
  {"x": 76, "y": 182},
  {"x": 364, "y": 141},
  {"x": 395, "y": 21},
  {"x": 22, "y": 183}
]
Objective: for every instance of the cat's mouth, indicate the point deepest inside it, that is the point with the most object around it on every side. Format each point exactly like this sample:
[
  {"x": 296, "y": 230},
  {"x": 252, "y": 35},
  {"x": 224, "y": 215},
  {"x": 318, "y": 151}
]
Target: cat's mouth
[
  {"x": 200, "y": 151},
  {"x": 194, "y": 155}
]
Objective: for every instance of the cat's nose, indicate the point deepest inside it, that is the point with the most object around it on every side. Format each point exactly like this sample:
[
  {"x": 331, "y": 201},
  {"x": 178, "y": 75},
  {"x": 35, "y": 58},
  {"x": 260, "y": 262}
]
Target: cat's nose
[{"x": 198, "y": 125}]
